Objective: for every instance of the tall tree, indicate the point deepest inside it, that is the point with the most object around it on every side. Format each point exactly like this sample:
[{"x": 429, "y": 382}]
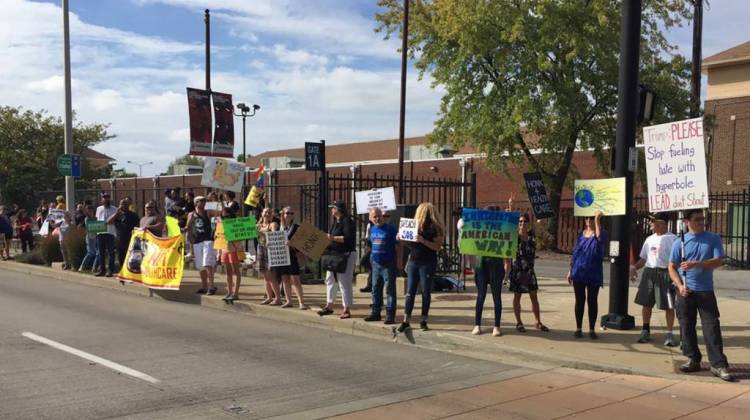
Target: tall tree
[{"x": 529, "y": 82}]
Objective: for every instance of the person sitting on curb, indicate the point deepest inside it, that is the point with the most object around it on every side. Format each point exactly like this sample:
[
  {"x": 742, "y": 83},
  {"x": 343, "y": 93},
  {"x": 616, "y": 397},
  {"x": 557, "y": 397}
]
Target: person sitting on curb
[
  {"x": 655, "y": 285},
  {"x": 383, "y": 263}
]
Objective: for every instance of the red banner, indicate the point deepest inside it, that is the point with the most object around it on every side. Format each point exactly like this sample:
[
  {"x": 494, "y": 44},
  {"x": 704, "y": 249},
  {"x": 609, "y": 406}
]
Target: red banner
[
  {"x": 199, "y": 108},
  {"x": 224, "y": 129}
]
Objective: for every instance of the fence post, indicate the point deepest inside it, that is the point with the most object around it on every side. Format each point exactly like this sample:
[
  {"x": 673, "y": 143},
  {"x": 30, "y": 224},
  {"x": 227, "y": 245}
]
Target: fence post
[{"x": 473, "y": 196}]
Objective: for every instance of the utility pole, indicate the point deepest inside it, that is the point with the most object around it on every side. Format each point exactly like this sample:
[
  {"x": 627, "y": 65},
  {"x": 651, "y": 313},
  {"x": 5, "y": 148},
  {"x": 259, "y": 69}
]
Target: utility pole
[
  {"x": 207, "y": 20},
  {"x": 627, "y": 102},
  {"x": 402, "y": 116},
  {"x": 69, "y": 180},
  {"x": 695, "y": 79}
]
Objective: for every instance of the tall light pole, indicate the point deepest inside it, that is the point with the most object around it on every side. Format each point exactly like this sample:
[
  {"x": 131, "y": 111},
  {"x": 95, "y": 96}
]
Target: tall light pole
[
  {"x": 245, "y": 113},
  {"x": 69, "y": 180},
  {"x": 402, "y": 112},
  {"x": 140, "y": 166}
]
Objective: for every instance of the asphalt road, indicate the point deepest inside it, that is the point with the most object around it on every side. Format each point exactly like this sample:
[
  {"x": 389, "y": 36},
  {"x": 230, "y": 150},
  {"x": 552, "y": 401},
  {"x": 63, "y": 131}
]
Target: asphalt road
[{"x": 205, "y": 363}]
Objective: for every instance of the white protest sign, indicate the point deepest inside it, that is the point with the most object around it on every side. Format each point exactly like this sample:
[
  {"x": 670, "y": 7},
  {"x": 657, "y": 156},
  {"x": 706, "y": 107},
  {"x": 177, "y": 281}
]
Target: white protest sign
[
  {"x": 224, "y": 174},
  {"x": 407, "y": 229},
  {"x": 676, "y": 166},
  {"x": 278, "y": 251},
  {"x": 56, "y": 215},
  {"x": 213, "y": 205},
  {"x": 382, "y": 198}
]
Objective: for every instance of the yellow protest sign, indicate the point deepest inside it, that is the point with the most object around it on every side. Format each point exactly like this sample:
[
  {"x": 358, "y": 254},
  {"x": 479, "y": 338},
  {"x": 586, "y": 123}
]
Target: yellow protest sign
[
  {"x": 220, "y": 240},
  {"x": 173, "y": 226},
  {"x": 155, "y": 262},
  {"x": 606, "y": 195},
  {"x": 253, "y": 197}
]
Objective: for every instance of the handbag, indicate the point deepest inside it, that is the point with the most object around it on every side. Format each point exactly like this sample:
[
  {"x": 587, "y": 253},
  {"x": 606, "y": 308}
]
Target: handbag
[{"x": 334, "y": 261}]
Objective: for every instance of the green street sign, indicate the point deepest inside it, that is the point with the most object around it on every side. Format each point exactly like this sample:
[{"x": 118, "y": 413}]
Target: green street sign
[{"x": 69, "y": 165}]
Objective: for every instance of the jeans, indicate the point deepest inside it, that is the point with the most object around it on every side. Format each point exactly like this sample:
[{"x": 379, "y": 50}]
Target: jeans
[
  {"x": 491, "y": 273},
  {"x": 688, "y": 309},
  {"x": 418, "y": 274},
  {"x": 90, "y": 258},
  {"x": 384, "y": 273},
  {"x": 105, "y": 243}
]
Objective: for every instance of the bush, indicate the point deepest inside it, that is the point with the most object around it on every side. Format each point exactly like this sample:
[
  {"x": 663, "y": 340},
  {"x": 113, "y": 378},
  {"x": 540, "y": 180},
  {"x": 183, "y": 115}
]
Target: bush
[
  {"x": 34, "y": 257},
  {"x": 75, "y": 246},
  {"x": 49, "y": 250}
]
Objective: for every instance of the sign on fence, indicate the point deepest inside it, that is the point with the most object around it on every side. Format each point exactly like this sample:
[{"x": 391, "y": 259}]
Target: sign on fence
[
  {"x": 223, "y": 174},
  {"x": 489, "y": 233},
  {"x": 278, "y": 251},
  {"x": 605, "y": 195},
  {"x": 95, "y": 226},
  {"x": 382, "y": 198},
  {"x": 310, "y": 241},
  {"x": 240, "y": 228},
  {"x": 538, "y": 195},
  {"x": 676, "y": 166},
  {"x": 407, "y": 229}
]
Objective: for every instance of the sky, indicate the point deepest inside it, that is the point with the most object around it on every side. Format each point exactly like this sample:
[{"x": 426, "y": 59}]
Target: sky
[{"x": 316, "y": 67}]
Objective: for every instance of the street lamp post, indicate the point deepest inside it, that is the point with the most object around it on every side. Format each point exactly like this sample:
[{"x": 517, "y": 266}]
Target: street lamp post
[
  {"x": 245, "y": 113},
  {"x": 140, "y": 166}
]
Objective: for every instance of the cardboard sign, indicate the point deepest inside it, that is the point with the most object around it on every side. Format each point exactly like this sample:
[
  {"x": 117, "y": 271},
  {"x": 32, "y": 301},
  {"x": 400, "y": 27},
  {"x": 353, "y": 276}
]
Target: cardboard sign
[
  {"x": 240, "y": 228},
  {"x": 538, "y": 195},
  {"x": 382, "y": 198},
  {"x": 489, "y": 233},
  {"x": 606, "y": 195},
  {"x": 220, "y": 240},
  {"x": 278, "y": 251},
  {"x": 407, "y": 229},
  {"x": 676, "y": 166},
  {"x": 96, "y": 226},
  {"x": 310, "y": 241},
  {"x": 223, "y": 174}
]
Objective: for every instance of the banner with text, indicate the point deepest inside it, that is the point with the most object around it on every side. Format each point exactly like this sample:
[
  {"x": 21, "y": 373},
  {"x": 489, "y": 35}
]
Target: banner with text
[
  {"x": 199, "y": 112},
  {"x": 310, "y": 241},
  {"x": 223, "y": 174},
  {"x": 676, "y": 166},
  {"x": 224, "y": 129},
  {"x": 605, "y": 195},
  {"x": 538, "y": 195},
  {"x": 382, "y": 198},
  {"x": 489, "y": 233},
  {"x": 407, "y": 229},
  {"x": 240, "y": 228},
  {"x": 155, "y": 262}
]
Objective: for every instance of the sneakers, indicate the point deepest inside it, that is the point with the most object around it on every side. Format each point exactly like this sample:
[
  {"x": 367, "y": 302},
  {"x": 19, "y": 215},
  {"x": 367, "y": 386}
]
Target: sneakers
[
  {"x": 211, "y": 291},
  {"x": 477, "y": 330},
  {"x": 389, "y": 321},
  {"x": 593, "y": 336},
  {"x": 645, "y": 336},
  {"x": 669, "y": 340},
  {"x": 403, "y": 327},
  {"x": 722, "y": 373},
  {"x": 578, "y": 334},
  {"x": 423, "y": 325},
  {"x": 691, "y": 366},
  {"x": 365, "y": 290},
  {"x": 372, "y": 318}
]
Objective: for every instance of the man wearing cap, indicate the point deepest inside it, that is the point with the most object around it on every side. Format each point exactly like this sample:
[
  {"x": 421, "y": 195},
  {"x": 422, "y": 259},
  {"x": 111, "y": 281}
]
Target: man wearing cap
[
  {"x": 105, "y": 241},
  {"x": 655, "y": 286}
]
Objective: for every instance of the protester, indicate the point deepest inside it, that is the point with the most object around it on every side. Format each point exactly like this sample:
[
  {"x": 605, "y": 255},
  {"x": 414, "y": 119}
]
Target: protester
[
  {"x": 60, "y": 202},
  {"x": 586, "y": 273},
  {"x": 488, "y": 271},
  {"x": 521, "y": 274},
  {"x": 229, "y": 201},
  {"x": 79, "y": 218},
  {"x": 168, "y": 202},
  {"x": 24, "y": 231},
  {"x": 266, "y": 224},
  {"x": 125, "y": 221},
  {"x": 189, "y": 202},
  {"x": 151, "y": 220},
  {"x": 63, "y": 226},
  {"x": 655, "y": 287},
  {"x": 41, "y": 213},
  {"x": 202, "y": 237},
  {"x": 342, "y": 258},
  {"x": 6, "y": 233},
  {"x": 383, "y": 263},
  {"x": 90, "y": 258},
  {"x": 105, "y": 241},
  {"x": 692, "y": 263},
  {"x": 230, "y": 258},
  {"x": 289, "y": 274},
  {"x": 365, "y": 261},
  {"x": 422, "y": 263}
]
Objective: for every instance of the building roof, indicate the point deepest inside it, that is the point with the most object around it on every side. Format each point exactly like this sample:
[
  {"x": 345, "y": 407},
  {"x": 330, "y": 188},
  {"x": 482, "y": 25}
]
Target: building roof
[
  {"x": 735, "y": 55},
  {"x": 90, "y": 153}
]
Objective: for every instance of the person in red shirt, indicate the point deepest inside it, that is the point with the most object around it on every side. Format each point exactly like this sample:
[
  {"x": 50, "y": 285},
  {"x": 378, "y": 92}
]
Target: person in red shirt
[{"x": 23, "y": 229}]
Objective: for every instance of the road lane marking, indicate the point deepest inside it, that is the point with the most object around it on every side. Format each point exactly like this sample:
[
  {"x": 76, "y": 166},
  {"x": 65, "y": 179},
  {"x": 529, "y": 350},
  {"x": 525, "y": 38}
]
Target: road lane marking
[{"x": 93, "y": 358}]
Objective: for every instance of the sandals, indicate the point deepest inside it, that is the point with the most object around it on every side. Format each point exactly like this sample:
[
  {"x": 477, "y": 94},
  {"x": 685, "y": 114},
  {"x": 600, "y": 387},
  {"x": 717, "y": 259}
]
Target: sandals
[
  {"x": 345, "y": 315},
  {"x": 541, "y": 327},
  {"x": 520, "y": 328},
  {"x": 287, "y": 305},
  {"x": 266, "y": 301}
]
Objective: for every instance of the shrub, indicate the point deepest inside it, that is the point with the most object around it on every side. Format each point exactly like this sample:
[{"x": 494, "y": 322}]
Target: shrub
[
  {"x": 75, "y": 245},
  {"x": 34, "y": 257},
  {"x": 49, "y": 250}
]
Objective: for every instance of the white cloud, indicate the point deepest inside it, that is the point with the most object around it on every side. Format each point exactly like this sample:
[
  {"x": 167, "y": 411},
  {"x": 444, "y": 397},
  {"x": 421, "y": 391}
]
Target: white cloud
[{"x": 50, "y": 84}]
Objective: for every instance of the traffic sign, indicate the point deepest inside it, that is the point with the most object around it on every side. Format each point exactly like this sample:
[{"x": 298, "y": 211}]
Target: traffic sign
[
  {"x": 315, "y": 156},
  {"x": 69, "y": 165}
]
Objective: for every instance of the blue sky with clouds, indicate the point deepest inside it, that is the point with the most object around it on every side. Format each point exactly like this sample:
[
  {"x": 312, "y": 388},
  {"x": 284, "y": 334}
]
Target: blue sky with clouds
[{"x": 315, "y": 66}]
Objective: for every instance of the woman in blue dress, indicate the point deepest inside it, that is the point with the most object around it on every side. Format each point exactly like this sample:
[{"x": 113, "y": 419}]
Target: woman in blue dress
[{"x": 586, "y": 273}]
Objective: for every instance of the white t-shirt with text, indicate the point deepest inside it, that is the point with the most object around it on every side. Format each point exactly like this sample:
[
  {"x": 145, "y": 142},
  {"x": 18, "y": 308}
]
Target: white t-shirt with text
[{"x": 657, "y": 249}]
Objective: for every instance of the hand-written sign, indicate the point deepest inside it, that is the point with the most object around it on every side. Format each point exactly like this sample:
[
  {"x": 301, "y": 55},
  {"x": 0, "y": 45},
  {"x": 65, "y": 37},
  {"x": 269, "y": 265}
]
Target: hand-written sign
[
  {"x": 676, "y": 166},
  {"x": 56, "y": 215},
  {"x": 538, "y": 195},
  {"x": 489, "y": 233},
  {"x": 407, "y": 229},
  {"x": 310, "y": 241},
  {"x": 278, "y": 251},
  {"x": 240, "y": 228},
  {"x": 605, "y": 195},
  {"x": 382, "y": 198},
  {"x": 96, "y": 226}
]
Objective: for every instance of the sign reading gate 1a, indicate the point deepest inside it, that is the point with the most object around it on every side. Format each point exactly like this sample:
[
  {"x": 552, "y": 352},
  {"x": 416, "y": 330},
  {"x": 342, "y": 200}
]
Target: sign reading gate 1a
[
  {"x": 315, "y": 159},
  {"x": 676, "y": 166}
]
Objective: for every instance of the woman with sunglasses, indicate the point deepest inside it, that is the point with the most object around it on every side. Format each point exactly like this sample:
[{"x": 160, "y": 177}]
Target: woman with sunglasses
[
  {"x": 289, "y": 274},
  {"x": 586, "y": 273},
  {"x": 267, "y": 224}
]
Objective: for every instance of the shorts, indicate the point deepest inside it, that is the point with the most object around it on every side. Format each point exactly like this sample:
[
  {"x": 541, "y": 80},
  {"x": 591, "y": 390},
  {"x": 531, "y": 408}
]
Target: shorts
[
  {"x": 229, "y": 257},
  {"x": 654, "y": 288},
  {"x": 204, "y": 255}
]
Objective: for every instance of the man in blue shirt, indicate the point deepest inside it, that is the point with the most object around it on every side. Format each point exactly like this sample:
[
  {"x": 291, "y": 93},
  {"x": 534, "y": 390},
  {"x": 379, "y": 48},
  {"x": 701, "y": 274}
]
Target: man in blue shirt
[
  {"x": 691, "y": 269},
  {"x": 383, "y": 258}
]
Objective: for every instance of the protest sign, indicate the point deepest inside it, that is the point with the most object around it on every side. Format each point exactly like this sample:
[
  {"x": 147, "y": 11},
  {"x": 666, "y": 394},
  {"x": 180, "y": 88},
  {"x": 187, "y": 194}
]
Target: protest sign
[
  {"x": 310, "y": 241},
  {"x": 155, "y": 262},
  {"x": 605, "y": 195},
  {"x": 220, "y": 240},
  {"x": 407, "y": 229},
  {"x": 56, "y": 215},
  {"x": 44, "y": 230},
  {"x": 676, "y": 166},
  {"x": 278, "y": 251},
  {"x": 213, "y": 206},
  {"x": 489, "y": 233},
  {"x": 538, "y": 195},
  {"x": 173, "y": 226},
  {"x": 240, "y": 228},
  {"x": 223, "y": 174},
  {"x": 96, "y": 226},
  {"x": 382, "y": 198}
]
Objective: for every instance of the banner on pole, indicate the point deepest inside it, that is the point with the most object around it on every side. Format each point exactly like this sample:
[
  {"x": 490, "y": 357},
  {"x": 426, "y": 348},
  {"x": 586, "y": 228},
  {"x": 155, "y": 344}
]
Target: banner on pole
[
  {"x": 489, "y": 233},
  {"x": 199, "y": 112},
  {"x": 240, "y": 228},
  {"x": 407, "y": 229},
  {"x": 538, "y": 196},
  {"x": 223, "y": 174},
  {"x": 676, "y": 166},
  {"x": 605, "y": 195},
  {"x": 310, "y": 241},
  {"x": 382, "y": 198},
  {"x": 224, "y": 129},
  {"x": 278, "y": 251},
  {"x": 155, "y": 262}
]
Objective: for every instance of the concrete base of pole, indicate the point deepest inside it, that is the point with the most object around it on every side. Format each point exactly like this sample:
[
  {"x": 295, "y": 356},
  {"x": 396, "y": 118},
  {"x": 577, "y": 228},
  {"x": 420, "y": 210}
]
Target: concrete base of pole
[{"x": 618, "y": 322}]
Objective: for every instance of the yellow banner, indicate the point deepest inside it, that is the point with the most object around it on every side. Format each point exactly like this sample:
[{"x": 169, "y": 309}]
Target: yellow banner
[
  {"x": 606, "y": 195},
  {"x": 155, "y": 262}
]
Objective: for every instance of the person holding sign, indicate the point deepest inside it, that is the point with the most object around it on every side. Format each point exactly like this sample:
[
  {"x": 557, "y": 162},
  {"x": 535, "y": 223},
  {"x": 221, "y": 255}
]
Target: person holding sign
[
  {"x": 231, "y": 260},
  {"x": 422, "y": 263},
  {"x": 586, "y": 273},
  {"x": 151, "y": 220},
  {"x": 202, "y": 237},
  {"x": 267, "y": 224},
  {"x": 339, "y": 260},
  {"x": 23, "y": 228},
  {"x": 489, "y": 271},
  {"x": 87, "y": 263},
  {"x": 383, "y": 262},
  {"x": 289, "y": 274}
]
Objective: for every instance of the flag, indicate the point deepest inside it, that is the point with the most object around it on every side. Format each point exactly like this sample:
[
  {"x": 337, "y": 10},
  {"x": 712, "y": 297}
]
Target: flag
[
  {"x": 224, "y": 128},
  {"x": 199, "y": 111},
  {"x": 256, "y": 192}
]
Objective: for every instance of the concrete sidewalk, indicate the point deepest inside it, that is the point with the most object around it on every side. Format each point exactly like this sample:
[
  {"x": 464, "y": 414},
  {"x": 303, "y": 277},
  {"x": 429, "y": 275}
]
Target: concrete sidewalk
[{"x": 452, "y": 318}]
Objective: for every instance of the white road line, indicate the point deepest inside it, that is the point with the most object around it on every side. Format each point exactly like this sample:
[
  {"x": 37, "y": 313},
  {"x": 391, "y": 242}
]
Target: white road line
[{"x": 88, "y": 356}]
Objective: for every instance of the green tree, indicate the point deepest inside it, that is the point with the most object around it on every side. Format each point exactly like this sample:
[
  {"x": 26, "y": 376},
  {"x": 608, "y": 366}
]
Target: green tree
[
  {"x": 184, "y": 160},
  {"x": 31, "y": 143},
  {"x": 530, "y": 81}
]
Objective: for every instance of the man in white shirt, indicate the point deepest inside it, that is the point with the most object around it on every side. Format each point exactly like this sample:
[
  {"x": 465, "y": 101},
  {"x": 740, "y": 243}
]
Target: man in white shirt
[
  {"x": 655, "y": 286},
  {"x": 105, "y": 241}
]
